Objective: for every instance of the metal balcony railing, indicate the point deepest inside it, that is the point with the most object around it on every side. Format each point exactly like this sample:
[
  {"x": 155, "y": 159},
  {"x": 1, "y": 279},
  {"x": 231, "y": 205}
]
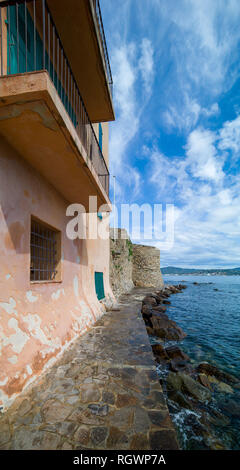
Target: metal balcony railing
[
  {"x": 97, "y": 9},
  {"x": 33, "y": 44}
]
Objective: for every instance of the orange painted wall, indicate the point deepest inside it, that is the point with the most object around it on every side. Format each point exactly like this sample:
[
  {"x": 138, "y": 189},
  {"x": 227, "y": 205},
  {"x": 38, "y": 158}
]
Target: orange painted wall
[{"x": 37, "y": 321}]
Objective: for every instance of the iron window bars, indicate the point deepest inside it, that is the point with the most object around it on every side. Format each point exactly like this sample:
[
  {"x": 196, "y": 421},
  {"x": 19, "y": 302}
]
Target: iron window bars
[{"x": 43, "y": 250}]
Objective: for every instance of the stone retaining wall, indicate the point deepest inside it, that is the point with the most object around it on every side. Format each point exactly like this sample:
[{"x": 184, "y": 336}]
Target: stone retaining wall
[
  {"x": 120, "y": 262},
  {"x": 146, "y": 266},
  {"x": 131, "y": 264}
]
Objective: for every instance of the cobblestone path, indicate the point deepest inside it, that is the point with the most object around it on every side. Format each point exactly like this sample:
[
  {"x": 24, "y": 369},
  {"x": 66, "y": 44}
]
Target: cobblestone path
[{"x": 103, "y": 393}]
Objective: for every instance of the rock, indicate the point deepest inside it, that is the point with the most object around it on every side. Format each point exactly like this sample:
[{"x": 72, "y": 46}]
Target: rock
[
  {"x": 159, "y": 308},
  {"x": 180, "y": 365},
  {"x": 54, "y": 411},
  {"x": 222, "y": 387},
  {"x": 176, "y": 352},
  {"x": 231, "y": 407},
  {"x": 98, "y": 435},
  {"x": 182, "y": 286},
  {"x": 181, "y": 399},
  {"x": 194, "y": 388},
  {"x": 159, "y": 352},
  {"x": 196, "y": 283},
  {"x": 166, "y": 302},
  {"x": 147, "y": 310},
  {"x": 182, "y": 382},
  {"x": 168, "y": 329},
  {"x": 98, "y": 409},
  {"x": 149, "y": 300},
  {"x": 174, "y": 382},
  {"x": 203, "y": 379},
  {"x": 218, "y": 419},
  {"x": 210, "y": 369}
]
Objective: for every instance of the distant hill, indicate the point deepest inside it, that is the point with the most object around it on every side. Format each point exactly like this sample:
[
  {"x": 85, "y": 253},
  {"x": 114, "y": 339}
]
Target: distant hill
[{"x": 223, "y": 272}]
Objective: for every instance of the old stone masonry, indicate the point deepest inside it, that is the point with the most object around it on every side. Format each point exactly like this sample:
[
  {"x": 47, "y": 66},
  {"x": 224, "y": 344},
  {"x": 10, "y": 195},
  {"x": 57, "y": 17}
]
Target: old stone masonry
[{"x": 103, "y": 393}]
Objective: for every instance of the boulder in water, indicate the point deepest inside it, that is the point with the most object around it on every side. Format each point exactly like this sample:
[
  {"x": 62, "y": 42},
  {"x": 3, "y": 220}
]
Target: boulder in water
[{"x": 212, "y": 370}]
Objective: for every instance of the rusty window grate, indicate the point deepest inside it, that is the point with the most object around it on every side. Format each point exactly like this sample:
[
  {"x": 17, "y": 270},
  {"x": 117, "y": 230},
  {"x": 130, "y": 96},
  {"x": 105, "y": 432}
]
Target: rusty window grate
[{"x": 44, "y": 252}]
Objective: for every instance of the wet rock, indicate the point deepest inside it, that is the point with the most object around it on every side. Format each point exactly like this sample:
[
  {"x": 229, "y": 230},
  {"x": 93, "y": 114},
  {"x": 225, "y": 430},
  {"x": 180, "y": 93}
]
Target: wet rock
[
  {"x": 218, "y": 419},
  {"x": 203, "y": 379},
  {"x": 210, "y": 369},
  {"x": 180, "y": 399},
  {"x": 174, "y": 382},
  {"x": 182, "y": 382},
  {"x": 159, "y": 352},
  {"x": 180, "y": 365},
  {"x": 232, "y": 407},
  {"x": 159, "y": 308},
  {"x": 175, "y": 351},
  {"x": 224, "y": 388},
  {"x": 166, "y": 302},
  {"x": 165, "y": 328},
  {"x": 194, "y": 388}
]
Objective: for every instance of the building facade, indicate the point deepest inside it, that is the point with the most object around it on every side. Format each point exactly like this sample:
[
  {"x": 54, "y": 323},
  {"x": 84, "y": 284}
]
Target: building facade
[{"x": 55, "y": 105}]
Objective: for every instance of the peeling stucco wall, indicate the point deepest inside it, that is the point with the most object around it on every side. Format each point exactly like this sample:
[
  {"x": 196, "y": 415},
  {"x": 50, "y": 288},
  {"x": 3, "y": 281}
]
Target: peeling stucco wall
[{"x": 39, "y": 320}]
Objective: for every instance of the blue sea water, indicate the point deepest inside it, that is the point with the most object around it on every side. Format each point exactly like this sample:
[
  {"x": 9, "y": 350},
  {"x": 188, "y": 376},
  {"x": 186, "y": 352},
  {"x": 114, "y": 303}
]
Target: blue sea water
[{"x": 210, "y": 315}]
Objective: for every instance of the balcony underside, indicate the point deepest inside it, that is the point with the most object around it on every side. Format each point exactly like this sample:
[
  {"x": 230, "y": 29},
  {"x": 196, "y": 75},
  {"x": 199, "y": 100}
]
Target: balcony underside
[
  {"x": 79, "y": 32},
  {"x": 34, "y": 121}
]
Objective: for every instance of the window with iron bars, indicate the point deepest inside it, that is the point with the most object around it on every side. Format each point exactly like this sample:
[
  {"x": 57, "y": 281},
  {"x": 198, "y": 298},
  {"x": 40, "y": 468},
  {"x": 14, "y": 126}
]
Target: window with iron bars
[{"x": 45, "y": 252}]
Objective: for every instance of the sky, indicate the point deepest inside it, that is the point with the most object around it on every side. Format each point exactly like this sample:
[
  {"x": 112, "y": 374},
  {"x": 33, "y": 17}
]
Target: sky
[{"x": 176, "y": 138}]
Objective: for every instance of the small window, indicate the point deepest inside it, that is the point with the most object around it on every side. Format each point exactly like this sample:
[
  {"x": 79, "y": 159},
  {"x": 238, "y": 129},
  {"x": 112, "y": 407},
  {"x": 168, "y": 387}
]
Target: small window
[{"x": 45, "y": 246}]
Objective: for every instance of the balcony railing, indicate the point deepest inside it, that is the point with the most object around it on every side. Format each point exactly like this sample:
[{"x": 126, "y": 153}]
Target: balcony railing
[
  {"x": 97, "y": 9},
  {"x": 33, "y": 44}
]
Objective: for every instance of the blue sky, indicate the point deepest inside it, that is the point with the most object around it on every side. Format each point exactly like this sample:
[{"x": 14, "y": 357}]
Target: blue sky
[{"x": 176, "y": 139}]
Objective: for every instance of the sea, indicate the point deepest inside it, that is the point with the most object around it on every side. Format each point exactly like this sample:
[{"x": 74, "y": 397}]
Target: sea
[{"x": 209, "y": 313}]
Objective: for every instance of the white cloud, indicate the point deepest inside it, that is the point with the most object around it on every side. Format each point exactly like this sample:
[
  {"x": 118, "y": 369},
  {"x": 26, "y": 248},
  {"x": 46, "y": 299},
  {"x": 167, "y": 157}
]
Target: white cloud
[
  {"x": 202, "y": 155},
  {"x": 133, "y": 67},
  {"x": 207, "y": 221},
  {"x": 146, "y": 64}
]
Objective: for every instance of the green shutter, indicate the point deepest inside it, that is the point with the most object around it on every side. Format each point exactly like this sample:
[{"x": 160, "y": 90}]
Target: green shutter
[{"x": 99, "y": 286}]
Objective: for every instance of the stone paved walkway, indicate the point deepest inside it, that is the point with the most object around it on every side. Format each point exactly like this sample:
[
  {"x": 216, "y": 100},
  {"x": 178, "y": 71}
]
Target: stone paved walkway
[{"x": 103, "y": 393}]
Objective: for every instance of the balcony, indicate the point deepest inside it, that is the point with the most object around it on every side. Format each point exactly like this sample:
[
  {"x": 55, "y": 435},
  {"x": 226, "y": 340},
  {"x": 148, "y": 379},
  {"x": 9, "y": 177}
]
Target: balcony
[
  {"x": 82, "y": 33},
  {"x": 42, "y": 112}
]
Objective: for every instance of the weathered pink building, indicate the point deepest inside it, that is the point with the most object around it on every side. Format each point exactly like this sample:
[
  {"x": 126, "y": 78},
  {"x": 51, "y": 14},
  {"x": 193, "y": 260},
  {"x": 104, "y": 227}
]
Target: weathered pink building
[{"x": 55, "y": 104}]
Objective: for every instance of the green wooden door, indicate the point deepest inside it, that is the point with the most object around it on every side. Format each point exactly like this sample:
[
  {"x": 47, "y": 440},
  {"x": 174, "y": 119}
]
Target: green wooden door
[{"x": 99, "y": 286}]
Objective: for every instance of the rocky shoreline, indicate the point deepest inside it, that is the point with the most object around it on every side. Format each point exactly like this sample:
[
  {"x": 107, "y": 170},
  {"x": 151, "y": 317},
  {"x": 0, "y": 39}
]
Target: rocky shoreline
[{"x": 189, "y": 390}]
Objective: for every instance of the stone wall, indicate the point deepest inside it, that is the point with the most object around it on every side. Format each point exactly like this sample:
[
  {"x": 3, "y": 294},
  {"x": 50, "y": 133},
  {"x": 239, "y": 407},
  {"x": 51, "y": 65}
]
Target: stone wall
[
  {"x": 146, "y": 266},
  {"x": 131, "y": 264},
  {"x": 120, "y": 262}
]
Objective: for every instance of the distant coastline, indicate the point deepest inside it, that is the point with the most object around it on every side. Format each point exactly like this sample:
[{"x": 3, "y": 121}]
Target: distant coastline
[{"x": 211, "y": 272}]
